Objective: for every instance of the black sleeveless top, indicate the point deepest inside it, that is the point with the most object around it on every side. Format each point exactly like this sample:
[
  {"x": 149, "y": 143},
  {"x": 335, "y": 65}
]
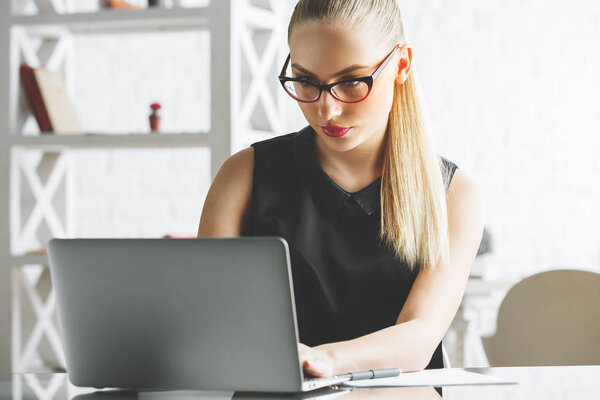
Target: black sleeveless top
[{"x": 346, "y": 282}]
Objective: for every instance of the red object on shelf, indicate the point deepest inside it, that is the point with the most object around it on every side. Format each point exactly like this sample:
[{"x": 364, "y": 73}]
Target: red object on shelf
[
  {"x": 154, "y": 123},
  {"x": 154, "y": 117}
]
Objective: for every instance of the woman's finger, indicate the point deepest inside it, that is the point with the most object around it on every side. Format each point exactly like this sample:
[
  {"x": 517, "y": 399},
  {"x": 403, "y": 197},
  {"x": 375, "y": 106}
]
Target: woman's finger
[{"x": 318, "y": 368}]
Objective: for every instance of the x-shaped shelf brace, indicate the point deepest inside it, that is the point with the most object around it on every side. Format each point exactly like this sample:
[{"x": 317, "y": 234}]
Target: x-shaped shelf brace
[
  {"x": 261, "y": 106},
  {"x": 44, "y": 311}
]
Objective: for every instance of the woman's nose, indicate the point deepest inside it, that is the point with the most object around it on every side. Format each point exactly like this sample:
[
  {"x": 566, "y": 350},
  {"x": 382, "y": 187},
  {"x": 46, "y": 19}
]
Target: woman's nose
[{"x": 328, "y": 107}]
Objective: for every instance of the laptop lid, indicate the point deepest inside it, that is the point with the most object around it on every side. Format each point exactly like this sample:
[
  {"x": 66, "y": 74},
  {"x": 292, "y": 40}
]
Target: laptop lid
[{"x": 207, "y": 313}]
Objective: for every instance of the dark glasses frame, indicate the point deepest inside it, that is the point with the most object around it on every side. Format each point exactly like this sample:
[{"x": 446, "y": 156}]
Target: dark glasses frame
[{"x": 367, "y": 79}]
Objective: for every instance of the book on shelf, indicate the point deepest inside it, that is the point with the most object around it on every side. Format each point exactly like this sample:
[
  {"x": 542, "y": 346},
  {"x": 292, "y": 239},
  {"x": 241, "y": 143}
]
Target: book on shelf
[
  {"x": 34, "y": 97},
  {"x": 48, "y": 99}
]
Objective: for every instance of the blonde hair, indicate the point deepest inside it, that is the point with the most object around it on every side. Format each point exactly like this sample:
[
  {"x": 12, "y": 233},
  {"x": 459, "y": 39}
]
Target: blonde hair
[{"x": 414, "y": 220}]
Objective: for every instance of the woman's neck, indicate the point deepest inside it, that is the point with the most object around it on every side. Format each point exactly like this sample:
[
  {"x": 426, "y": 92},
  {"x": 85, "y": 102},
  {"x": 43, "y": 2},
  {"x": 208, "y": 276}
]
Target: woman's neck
[{"x": 356, "y": 167}]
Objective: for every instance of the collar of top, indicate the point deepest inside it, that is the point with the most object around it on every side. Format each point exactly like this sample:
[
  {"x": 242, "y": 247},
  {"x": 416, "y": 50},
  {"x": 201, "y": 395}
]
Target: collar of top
[{"x": 324, "y": 189}]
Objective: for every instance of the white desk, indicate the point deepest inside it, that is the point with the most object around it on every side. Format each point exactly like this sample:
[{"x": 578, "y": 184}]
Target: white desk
[{"x": 547, "y": 383}]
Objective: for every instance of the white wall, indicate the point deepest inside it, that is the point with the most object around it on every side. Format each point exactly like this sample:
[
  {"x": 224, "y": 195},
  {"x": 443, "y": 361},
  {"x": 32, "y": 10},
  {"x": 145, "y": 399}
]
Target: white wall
[
  {"x": 141, "y": 193},
  {"x": 512, "y": 90}
]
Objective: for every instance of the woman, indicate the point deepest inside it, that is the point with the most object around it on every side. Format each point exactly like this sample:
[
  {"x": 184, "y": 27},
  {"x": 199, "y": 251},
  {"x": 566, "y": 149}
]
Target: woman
[{"x": 382, "y": 231}]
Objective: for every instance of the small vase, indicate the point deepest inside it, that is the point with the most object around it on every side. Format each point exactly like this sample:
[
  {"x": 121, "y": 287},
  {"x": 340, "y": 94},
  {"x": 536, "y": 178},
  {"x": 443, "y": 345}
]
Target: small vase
[{"x": 154, "y": 123}]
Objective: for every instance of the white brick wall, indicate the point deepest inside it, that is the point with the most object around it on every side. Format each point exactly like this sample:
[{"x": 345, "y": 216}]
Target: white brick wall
[
  {"x": 512, "y": 90},
  {"x": 141, "y": 193}
]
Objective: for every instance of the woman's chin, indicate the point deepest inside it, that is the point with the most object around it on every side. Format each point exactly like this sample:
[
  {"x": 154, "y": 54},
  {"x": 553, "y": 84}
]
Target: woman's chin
[{"x": 341, "y": 144}]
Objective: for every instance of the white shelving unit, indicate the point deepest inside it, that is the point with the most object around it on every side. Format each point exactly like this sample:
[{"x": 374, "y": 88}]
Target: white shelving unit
[{"x": 236, "y": 28}]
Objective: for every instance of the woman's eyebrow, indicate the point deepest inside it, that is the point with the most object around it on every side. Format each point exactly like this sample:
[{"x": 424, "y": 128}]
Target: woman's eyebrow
[{"x": 342, "y": 72}]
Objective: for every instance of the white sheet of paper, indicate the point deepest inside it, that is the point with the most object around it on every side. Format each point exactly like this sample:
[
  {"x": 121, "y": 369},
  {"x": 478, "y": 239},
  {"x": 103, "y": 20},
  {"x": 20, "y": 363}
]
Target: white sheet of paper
[{"x": 433, "y": 377}]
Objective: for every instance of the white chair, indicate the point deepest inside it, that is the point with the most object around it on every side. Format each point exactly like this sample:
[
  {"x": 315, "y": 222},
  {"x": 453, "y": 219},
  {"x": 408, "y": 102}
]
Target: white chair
[{"x": 550, "y": 318}]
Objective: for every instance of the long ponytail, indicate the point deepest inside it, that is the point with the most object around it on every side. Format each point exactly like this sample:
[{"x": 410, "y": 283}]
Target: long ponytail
[{"x": 414, "y": 220}]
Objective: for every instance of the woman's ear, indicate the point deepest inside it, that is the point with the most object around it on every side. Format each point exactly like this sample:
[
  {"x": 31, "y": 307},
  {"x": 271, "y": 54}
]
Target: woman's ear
[{"x": 404, "y": 64}]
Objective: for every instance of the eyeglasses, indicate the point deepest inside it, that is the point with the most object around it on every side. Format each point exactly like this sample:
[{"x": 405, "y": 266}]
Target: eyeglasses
[{"x": 347, "y": 91}]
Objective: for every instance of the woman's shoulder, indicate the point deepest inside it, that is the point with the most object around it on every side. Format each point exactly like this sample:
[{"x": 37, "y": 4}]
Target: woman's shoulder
[
  {"x": 245, "y": 159},
  {"x": 463, "y": 192},
  {"x": 228, "y": 200},
  {"x": 466, "y": 207},
  {"x": 276, "y": 157},
  {"x": 458, "y": 183}
]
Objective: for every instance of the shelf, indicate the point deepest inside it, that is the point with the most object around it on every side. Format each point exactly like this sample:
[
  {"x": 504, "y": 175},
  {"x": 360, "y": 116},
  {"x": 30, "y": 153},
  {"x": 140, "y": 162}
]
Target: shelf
[
  {"x": 108, "y": 141},
  {"x": 29, "y": 259},
  {"x": 120, "y": 20}
]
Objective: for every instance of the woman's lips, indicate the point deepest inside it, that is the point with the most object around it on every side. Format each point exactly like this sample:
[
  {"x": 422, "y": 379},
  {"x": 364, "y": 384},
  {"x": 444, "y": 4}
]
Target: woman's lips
[{"x": 335, "y": 131}]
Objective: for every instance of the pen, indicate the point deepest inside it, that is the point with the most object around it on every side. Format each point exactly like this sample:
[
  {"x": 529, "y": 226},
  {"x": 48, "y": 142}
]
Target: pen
[{"x": 371, "y": 374}]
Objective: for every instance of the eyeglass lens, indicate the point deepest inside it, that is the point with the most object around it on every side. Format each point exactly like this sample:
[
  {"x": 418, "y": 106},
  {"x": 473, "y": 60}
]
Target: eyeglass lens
[{"x": 344, "y": 91}]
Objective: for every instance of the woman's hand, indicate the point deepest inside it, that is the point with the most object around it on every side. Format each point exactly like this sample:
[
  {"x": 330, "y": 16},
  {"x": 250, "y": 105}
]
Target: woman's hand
[{"x": 316, "y": 362}]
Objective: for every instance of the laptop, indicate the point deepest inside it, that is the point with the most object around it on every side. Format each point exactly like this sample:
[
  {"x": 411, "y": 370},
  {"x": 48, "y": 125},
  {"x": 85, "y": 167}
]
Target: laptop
[{"x": 199, "y": 314}]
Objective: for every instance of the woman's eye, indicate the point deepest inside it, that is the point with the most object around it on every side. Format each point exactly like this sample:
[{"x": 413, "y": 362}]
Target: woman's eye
[{"x": 305, "y": 83}]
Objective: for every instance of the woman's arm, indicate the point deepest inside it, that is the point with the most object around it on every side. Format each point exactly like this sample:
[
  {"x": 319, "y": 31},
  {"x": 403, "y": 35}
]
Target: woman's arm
[
  {"x": 228, "y": 200},
  {"x": 430, "y": 307}
]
